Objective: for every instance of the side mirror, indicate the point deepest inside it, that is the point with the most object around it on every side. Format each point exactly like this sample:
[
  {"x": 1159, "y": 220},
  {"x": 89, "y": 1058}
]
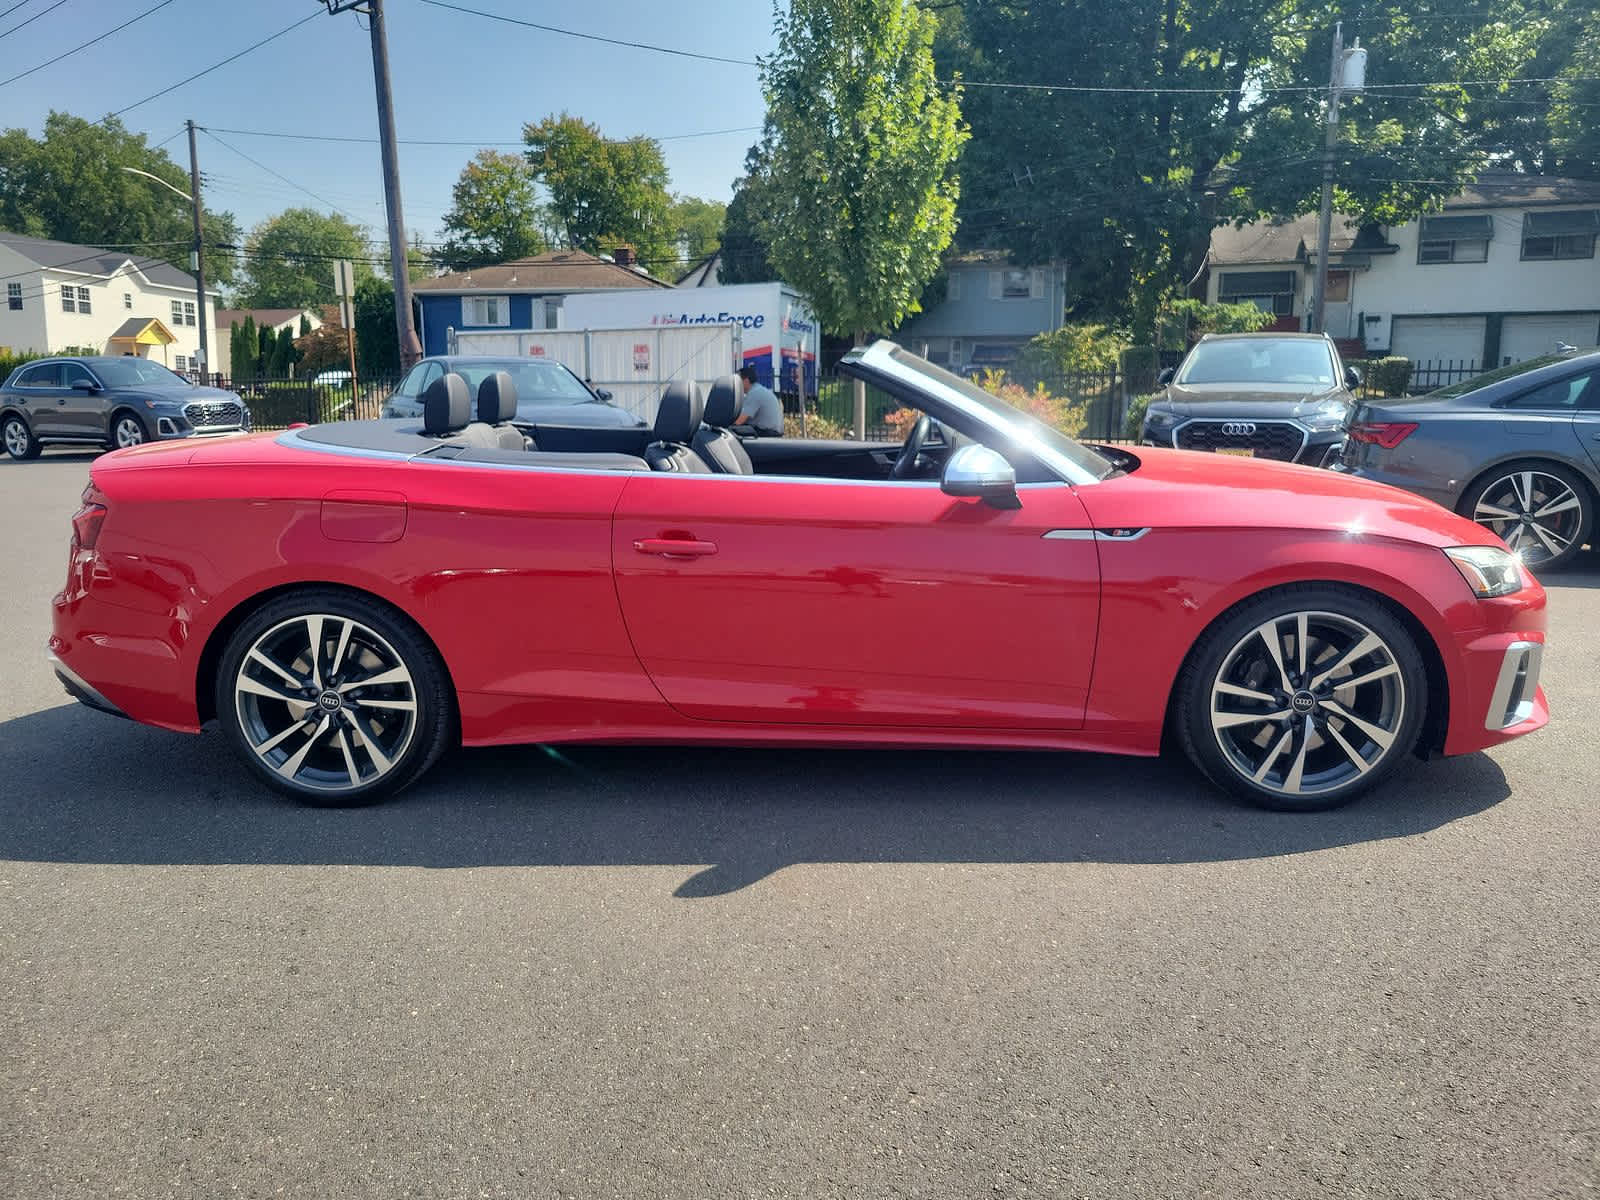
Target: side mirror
[
  {"x": 1352, "y": 377},
  {"x": 978, "y": 471},
  {"x": 85, "y": 385},
  {"x": 603, "y": 393},
  {"x": 1166, "y": 376}
]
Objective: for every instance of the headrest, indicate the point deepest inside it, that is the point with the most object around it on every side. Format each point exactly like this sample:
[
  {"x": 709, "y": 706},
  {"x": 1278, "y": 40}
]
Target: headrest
[
  {"x": 497, "y": 398},
  {"x": 722, "y": 402},
  {"x": 446, "y": 405},
  {"x": 682, "y": 407}
]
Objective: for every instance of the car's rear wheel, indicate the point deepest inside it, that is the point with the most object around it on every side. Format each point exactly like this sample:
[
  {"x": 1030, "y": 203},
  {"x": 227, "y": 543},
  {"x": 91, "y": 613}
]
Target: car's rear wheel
[
  {"x": 127, "y": 430},
  {"x": 1303, "y": 698},
  {"x": 19, "y": 439},
  {"x": 1539, "y": 509},
  {"x": 333, "y": 698}
]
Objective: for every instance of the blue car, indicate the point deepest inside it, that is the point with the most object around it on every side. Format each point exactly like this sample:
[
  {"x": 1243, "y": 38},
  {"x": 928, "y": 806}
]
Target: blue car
[{"x": 109, "y": 402}]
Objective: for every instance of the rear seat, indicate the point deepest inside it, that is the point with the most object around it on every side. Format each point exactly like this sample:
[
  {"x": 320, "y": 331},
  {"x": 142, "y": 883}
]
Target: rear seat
[
  {"x": 447, "y": 413},
  {"x": 497, "y": 404}
]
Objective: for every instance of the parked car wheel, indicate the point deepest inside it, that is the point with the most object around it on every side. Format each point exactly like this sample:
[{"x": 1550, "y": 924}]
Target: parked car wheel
[
  {"x": 333, "y": 699},
  {"x": 1539, "y": 509},
  {"x": 1303, "y": 698},
  {"x": 19, "y": 439},
  {"x": 127, "y": 430}
]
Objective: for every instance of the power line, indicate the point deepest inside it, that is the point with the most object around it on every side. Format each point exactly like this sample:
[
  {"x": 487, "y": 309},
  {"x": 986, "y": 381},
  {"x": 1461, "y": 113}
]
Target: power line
[
  {"x": 263, "y": 166},
  {"x": 42, "y": 12},
  {"x": 14, "y": 7},
  {"x": 592, "y": 37},
  {"x": 85, "y": 45},
  {"x": 218, "y": 66},
  {"x": 331, "y": 137},
  {"x": 1261, "y": 88}
]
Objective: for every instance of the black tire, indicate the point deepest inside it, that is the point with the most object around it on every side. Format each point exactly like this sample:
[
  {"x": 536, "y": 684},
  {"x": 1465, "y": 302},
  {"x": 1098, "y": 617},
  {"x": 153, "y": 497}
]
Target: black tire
[
  {"x": 1259, "y": 726},
  {"x": 137, "y": 432},
  {"x": 1527, "y": 491},
  {"x": 18, "y": 439},
  {"x": 369, "y": 742}
]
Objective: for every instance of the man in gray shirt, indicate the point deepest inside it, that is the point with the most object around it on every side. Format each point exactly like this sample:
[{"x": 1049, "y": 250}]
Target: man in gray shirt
[{"x": 760, "y": 407}]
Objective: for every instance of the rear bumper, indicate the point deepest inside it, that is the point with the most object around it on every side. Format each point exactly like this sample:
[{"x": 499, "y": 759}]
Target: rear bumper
[
  {"x": 81, "y": 690},
  {"x": 122, "y": 661}
]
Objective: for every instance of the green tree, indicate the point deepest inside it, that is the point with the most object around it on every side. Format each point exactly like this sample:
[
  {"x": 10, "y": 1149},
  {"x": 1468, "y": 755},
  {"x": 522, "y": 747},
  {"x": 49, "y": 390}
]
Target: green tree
[
  {"x": 744, "y": 245},
  {"x": 242, "y": 348},
  {"x": 603, "y": 193},
  {"x": 377, "y": 343},
  {"x": 696, "y": 226},
  {"x": 860, "y": 193},
  {"x": 1222, "y": 120},
  {"x": 69, "y": 185},
  {"x": 291, "y": 258},
  {"x": 1574, "y": 116},
  {"x": 494, "y": 214}
]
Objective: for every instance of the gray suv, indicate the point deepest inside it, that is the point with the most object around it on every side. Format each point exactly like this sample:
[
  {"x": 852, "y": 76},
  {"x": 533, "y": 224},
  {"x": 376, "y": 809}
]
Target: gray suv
[
  {"x": 1265, "y": 395},
  {"x": 110, "y": 402},
  {"x": 1516, "y": 449}
]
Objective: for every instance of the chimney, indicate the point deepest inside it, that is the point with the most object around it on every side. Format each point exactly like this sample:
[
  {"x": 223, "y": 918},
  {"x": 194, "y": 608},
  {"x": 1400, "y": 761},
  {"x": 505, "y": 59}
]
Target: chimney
[{"x": 623, "y": 255}]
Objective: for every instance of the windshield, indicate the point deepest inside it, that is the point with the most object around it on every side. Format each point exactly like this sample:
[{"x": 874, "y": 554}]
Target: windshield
[
  {"x": 1465, "y": 386},
  {"x": 136, "y": 372},
  {"x": 1258, "y": 360},
  {"x": 1024, "y": 427},
  {"x": 536, "y": 382}
]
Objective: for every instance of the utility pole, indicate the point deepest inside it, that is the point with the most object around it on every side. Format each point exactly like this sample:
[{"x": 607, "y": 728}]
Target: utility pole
[
  {"x": 199, "y": 262},
  {"x": 1347, "y": 73},
  {"x": 410, "y": 346}
]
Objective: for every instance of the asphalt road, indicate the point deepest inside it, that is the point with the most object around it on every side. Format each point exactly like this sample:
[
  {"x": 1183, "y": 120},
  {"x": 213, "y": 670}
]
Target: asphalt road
[{"x": 669, "y": 973}]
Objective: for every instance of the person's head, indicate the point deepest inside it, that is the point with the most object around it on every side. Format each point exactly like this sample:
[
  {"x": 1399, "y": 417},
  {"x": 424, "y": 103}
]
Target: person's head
[{"x": 748, "y": 376}]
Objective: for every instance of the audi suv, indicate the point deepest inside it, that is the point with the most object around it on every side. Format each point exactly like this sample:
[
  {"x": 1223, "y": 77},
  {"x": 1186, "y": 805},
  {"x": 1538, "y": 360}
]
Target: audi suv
[
  {"x": 1263, "y": 395},
  {"x": 109, "y": 402}
]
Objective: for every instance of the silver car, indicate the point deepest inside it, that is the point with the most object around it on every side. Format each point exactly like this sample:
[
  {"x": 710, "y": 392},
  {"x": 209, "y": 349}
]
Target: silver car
[{"x": 1516, "y": 449}]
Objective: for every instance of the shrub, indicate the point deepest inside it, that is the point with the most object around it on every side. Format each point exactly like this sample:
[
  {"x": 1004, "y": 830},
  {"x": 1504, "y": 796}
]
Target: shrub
[
  {"x": 1387, "y": 376},
  {"x": 816, "y": 426},
  {"x": 1134, "y": 421},
  {"x": 1219, "y": 318},
  {"x": 1071, "y": 349},
  {"x": 10, "y": 360},
  {"x": 1065, "y": 413}
]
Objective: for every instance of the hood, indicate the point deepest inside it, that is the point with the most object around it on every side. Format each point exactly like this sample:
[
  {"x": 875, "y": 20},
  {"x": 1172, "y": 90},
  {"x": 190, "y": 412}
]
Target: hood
[
  {"x": 1284, "y": 401},
  {"x": 180, "y": 395},
  {"x": 1219, "y": 491}
]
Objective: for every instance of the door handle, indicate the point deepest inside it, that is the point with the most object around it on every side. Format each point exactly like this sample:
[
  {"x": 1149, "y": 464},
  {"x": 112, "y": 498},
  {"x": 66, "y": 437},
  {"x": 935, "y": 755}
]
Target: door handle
[{"x": 675, "y": 547}]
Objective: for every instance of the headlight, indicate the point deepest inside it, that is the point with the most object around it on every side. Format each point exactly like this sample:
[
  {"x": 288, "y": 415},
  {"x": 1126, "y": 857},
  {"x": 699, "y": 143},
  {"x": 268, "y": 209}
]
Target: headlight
[
  {"x": 1488, "y": 570},
  {"x": 1327, "y": 419},
  {"x": 1159, "y": 422}
]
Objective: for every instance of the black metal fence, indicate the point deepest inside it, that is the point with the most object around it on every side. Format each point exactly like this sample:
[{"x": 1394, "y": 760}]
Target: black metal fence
[{"x": 278, "y": 403}]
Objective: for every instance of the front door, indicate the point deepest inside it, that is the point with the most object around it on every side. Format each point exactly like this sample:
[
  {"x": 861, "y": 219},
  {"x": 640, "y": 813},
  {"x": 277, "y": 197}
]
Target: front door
[{"x": 835, "y": 602}]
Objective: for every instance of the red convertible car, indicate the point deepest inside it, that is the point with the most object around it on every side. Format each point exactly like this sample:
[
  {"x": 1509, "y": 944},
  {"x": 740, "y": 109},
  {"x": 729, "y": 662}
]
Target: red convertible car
[{"x": 346, "y": 601}]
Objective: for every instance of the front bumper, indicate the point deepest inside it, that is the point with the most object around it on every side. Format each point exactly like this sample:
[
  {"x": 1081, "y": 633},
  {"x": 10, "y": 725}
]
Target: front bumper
[
  {"x": 1318, "y": 448},
  {"x": 1495, "y": 692}
]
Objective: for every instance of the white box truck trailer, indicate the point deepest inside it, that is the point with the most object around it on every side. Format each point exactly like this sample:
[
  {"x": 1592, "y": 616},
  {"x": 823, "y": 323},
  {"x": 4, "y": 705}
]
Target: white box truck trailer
[
  {"x": 634, "y": 365},
  {"x": 780, "y": 335}
]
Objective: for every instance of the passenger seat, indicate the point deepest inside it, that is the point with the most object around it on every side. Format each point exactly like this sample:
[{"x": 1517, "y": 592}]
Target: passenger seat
[
  {"x": 447, "y": 413},
  {"x": 677, "y": 421},
  {"x": 715, "y": 441},
  {"x": 497, "y": 404}
]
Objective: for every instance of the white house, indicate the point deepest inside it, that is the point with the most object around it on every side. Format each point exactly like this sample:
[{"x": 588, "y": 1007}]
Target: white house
[
  {"x": 60, "y": 296},
  {"x": 1506, "y": 272}
]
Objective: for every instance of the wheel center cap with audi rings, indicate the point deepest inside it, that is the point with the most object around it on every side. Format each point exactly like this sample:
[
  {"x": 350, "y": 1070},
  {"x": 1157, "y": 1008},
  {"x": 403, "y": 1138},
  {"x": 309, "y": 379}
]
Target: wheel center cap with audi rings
[
  {"x": 331, "y": 702},
  {"x": 1302, "y": 702}
]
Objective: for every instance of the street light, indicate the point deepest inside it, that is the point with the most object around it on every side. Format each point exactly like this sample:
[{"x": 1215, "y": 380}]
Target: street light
[{"x": 197, "y": 255}]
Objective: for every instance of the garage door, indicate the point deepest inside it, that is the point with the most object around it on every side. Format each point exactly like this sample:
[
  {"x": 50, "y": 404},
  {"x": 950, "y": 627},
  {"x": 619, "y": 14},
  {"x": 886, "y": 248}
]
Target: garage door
[
  {"x": 1522, "y": 338},
  {"x": 1444, "y": 349}
]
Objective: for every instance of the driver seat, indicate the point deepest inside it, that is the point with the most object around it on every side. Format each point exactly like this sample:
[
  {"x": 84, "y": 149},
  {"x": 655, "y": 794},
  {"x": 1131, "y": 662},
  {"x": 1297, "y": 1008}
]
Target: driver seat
[
  {"x": 497, "y": 404},
  {"x": 677, "y": 420},
  {"x": 714, "y": 441}
]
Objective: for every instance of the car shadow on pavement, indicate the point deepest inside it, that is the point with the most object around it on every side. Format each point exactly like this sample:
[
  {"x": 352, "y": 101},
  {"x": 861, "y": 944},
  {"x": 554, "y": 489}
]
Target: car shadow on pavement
[{"x": 81, "y": 787}]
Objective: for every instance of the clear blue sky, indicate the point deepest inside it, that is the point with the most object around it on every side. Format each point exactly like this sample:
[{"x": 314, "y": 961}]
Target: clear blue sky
[{"x": 457, "y": 77}]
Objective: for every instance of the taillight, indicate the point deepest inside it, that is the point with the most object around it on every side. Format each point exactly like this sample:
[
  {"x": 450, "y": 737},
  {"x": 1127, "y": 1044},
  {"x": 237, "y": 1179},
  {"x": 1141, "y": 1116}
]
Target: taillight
[
  {"x": 1387, "y": 434},
  {"x": 86, "y": 524}
]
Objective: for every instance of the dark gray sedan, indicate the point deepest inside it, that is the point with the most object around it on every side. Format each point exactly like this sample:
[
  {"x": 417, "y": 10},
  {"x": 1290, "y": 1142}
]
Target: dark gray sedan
[
  {"x": 110, "y": 402},
  {"x": 1516, "y": 449}
]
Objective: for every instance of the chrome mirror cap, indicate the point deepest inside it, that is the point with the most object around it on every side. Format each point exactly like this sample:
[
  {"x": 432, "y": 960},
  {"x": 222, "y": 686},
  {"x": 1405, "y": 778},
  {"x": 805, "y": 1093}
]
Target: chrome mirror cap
[{"x": 979, "y": 471}]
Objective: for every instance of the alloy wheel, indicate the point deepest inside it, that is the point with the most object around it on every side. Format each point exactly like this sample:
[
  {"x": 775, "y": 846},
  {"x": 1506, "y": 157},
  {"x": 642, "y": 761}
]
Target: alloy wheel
[
  {"x": 129, "y": 432},
  {"x": 17, "y": 439},
  {"x": 1535, "y": 513},
  {"x": 1307, "y": 702},
  {"x": 326, "y": 703}
]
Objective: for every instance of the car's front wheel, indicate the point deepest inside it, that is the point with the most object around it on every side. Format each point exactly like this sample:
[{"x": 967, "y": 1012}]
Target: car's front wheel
[
  {"x": 19, "y": 439},
  {"x": 333, "y": 698},
  {"x": 1303, "y": 698},
  {"x": 1541, "y": 510},
  {"x": 127, "y": 430}
]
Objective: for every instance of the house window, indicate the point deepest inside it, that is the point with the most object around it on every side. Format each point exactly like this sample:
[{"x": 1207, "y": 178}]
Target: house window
[
  {"x": 1016, "y": 283},
  {"x": 1559, "y": 235},
  {"x": 127, "y": 299},
  {"x": 486, "y": 310},
  {"x": 181, "y": 363},
  {"x": 552, "y": 314},
  {"x": 177, "y": 312},
  {"x": 1270, "y": 291},
  {"x": 188, "y": 312},
  {"x": 83, "y": 299},
  {"x": 1455, "y": 239},
  {"x": 69, "y": 298},
  {"x": 14, "y": 296}
]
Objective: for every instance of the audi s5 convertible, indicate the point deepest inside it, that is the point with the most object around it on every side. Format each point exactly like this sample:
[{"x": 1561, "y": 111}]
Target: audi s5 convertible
[{"x": 348, "y": 601}]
